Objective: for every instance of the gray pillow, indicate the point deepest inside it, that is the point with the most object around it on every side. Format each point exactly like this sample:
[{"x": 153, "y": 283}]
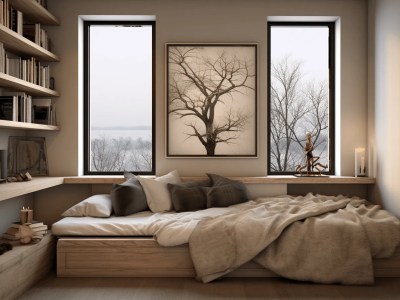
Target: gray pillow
[
  {"x": 189, "y": 196},
  {"x": 128, "y": 198},
  {"x": 225, "y": 192},
  {"x": 217, "y": 180}
]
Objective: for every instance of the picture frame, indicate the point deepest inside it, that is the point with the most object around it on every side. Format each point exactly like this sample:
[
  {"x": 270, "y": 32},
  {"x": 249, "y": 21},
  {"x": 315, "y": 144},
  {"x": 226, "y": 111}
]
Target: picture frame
[
  {"x": 211, "y": 100},
  {"x": 27, "y": 154}
]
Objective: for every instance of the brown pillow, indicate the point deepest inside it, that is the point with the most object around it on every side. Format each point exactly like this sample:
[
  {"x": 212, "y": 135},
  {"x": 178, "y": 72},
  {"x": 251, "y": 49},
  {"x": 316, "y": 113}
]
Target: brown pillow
[
  {"x": 128, "y": 198},
  {"x": 189, "y": 196},
  {"x": 225, "y": 192}
]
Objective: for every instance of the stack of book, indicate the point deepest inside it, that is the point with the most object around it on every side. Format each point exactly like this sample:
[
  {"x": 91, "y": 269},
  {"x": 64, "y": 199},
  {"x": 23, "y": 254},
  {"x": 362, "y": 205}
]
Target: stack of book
[{"x": 39, "y": 230}]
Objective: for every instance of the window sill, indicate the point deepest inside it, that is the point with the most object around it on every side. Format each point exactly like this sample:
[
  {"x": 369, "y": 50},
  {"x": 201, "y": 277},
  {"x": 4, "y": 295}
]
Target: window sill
[{"x": 288, "y": 179}]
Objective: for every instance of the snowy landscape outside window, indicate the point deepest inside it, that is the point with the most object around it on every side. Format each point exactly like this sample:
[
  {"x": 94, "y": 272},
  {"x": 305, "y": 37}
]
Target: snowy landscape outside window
[
  {"x": 119, "y": 97},
  {"x": 301, "y": 94}
]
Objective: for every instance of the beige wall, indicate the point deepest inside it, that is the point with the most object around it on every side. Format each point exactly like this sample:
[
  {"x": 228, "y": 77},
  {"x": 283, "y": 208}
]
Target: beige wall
[
  {"x": 209, "y": 21},
  {"x": 196, "y": 21},
  {"x": 384, "y": 100}
]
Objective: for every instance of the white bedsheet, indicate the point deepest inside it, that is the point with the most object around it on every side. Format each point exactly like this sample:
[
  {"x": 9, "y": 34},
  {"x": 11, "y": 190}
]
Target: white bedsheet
[{"x": 142, "y": 224}]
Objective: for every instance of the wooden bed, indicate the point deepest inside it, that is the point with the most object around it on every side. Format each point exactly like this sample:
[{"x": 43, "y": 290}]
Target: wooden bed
[{"x": 143, "y": 257}]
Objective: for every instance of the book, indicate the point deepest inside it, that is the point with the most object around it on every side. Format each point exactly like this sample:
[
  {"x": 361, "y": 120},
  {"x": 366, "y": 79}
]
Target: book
[
  {"x": 44, "y": 112},
  {"x": 32, "y": 225},
  {"x": 38, "y": 228},
  {"x": 12, "y": 231},
  {"x": 41, "y": 232},
  {"x": 10, "y": 237},
  {"x": 9, "y": 108}
]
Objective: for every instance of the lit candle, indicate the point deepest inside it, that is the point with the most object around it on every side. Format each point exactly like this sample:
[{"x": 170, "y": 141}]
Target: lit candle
[
  {"x": 362, "y": 165},
  {"x": 26, "y": 215}
]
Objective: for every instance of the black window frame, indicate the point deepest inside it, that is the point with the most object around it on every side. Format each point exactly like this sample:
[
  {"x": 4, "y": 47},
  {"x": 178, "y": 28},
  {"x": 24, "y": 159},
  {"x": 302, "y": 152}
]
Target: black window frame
[
  {"x": 86, "y": 87},
  {"x": 332, "y": 74}
]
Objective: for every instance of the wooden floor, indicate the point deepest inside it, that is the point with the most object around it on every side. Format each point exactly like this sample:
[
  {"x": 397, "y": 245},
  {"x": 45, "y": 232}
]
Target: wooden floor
[{"x": 187, "y": 288}]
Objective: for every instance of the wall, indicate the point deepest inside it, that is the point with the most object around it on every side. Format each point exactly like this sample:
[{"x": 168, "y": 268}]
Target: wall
[
  {"x": 209, "y": 21},
  {"x": 198, "y": 21},
  {"x": 9, "y": 209},
  {"x": 384, "y": 100}
]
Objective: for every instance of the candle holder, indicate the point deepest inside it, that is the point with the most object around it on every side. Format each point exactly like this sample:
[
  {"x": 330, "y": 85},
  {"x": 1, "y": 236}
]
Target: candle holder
[
  {"x": 360, "y": 169},
  {"x": 26, "y": 216}
]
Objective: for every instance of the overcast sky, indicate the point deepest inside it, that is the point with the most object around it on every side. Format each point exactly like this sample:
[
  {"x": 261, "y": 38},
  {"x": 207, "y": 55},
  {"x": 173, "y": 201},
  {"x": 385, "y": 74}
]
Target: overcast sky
[
  {"x": 120, "y": 75},
  {"x": 308, "y": 45}
]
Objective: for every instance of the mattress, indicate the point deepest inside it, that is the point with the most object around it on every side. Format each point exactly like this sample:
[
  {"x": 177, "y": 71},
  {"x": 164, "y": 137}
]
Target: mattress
[{"x": 143, "y": 223}]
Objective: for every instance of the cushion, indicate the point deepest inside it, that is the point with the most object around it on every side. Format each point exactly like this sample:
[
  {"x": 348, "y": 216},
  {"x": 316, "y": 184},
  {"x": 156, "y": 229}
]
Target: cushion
[
  {"x": 225, "y": 192},
  {"x": 128, "y": 198},
  {"x": 94, "y": 206},
  {"x": 156, "y": 190},
  {"x": 226, "y": 195},
  {"x": 217, "y": 180},
  {"x": 189, "y": 196}
]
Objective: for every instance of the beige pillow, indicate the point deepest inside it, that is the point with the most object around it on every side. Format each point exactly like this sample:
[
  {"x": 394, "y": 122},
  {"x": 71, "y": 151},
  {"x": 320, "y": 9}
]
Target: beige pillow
[
  {"x": 95, "y": 206},
  {"x": 156, "y": 190}
]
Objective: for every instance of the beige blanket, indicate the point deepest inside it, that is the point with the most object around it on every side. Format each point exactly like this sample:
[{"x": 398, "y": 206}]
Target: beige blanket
[{"x": 312, "y": 238}]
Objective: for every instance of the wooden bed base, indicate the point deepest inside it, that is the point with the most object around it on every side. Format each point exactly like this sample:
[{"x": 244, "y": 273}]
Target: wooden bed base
[{"x": 143, "y": 257}]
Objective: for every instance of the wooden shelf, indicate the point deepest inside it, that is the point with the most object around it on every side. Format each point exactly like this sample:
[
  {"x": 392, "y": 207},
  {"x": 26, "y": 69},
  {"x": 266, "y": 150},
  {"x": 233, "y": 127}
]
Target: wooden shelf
[
  {"x": 25, "y": 86},
  {"x": 20, "y": 45},
  {"x": 24, "y": 265},
  {"x": 15, "y": 189},
  {"x": 26, "y": 126},
  {"x": 248, "y": 180},
  {"x": 35, "y": 12}
]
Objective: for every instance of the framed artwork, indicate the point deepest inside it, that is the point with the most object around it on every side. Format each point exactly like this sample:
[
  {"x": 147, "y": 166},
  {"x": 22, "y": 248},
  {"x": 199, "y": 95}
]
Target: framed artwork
[
  {"x": 211, "y": 100},
  {"x": 27, "y": 154}
]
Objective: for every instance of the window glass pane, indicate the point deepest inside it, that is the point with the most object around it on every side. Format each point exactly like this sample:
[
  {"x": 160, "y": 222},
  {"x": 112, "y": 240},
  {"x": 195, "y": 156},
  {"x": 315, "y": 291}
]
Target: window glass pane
[
  {"x": 120, "y": 89},
  {"x": 299, "y": 95}
]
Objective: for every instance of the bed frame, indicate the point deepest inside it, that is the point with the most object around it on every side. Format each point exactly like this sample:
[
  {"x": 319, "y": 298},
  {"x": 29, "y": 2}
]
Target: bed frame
[{"x": 143, "y": 257}]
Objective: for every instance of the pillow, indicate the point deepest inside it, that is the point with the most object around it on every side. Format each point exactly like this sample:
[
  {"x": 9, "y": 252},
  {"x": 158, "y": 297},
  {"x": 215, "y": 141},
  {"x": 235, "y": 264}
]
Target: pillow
[
  {"x": 189, "y": 196},
  {"x": 217, "y": 180},
  {"x": 226, "y": 195},
  {"x": 156, "y": 190},
  {"x": 94, "y": 206},
  {"x": 128, "y": 198},
  {"x": 225, "y": 192},
  {"x": 129, "y": 175}
]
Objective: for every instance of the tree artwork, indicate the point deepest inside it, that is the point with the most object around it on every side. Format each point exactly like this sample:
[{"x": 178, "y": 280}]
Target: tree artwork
[
  {"x": 212, "y": 100},
  {"x": 296, "y": 107}
]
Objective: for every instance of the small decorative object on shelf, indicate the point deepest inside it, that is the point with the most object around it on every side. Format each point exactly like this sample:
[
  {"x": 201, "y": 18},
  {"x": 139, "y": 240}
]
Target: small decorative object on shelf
[
  {"x": 3, "y": 165},
  {"x": 4, "y": 247},
  {"x": 27, "y": 154},
  {"x": 360, "y": 169},
  {"x": 26, "y": 232},
  {"x": 20, "y": 177},
  {"x": 311, "y": 162},
  {"x": 26, "y": 215}
]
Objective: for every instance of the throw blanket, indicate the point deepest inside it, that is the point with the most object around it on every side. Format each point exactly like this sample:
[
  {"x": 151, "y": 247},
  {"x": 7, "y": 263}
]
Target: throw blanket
[{"x": 313, "y": 238}]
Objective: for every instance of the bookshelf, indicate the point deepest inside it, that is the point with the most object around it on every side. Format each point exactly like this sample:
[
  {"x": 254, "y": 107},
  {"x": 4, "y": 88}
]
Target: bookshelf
[
  {"x": 21, "y": 46},
  {"x": 14, "y": 189},
  {"x": 25, "y": 86},
  {"x": 27, "y": 126},
  {"x": 35, "y": 12}
]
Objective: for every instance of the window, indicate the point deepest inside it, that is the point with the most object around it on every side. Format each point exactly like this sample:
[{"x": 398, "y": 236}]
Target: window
[
  {"x": 301, "y": 72},
  {"x": 119, "y": 97}
]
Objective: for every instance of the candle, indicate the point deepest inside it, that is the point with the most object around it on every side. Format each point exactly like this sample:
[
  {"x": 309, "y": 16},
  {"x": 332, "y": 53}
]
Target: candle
[
  {"x": 362, "y": 165},
  {"x": 26, "y": 215}
]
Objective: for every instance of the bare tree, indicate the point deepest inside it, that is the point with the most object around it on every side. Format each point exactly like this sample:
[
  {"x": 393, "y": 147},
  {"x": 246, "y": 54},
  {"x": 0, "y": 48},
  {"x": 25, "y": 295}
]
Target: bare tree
[
  {"x": 120, "y": 154},
  {"x": 141, "y": 157},
  {"x": 295, "y": 109},
  {"x": 198, "y": 85}
]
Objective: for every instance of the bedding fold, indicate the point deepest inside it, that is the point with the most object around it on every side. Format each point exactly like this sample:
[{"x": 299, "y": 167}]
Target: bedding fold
[{"x": 313, "y": 238}]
